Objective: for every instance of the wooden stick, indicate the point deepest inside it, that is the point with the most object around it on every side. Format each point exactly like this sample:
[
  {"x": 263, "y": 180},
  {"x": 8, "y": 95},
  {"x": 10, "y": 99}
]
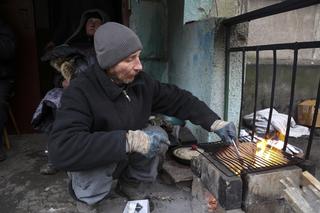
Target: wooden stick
[{"x": 308, "y": 179}]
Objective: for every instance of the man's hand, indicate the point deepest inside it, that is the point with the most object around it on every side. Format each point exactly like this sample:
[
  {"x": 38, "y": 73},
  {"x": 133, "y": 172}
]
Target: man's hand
[
  {"x": 146, "y": 141},
  {"x": 225, "y": 130}
]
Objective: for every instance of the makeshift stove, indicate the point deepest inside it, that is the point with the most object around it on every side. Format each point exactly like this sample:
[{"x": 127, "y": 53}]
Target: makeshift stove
[{"x": 252, "y": 183}]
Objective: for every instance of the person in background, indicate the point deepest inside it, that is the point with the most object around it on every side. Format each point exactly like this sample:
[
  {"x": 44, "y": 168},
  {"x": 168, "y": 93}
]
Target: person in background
[
  {"x": 82, "y": 38},
  {"x": 65, "y": 16},
  {"x": 101, "y": 130},
  {"x": 68, "y": 60},
  {"x": 7, "y": 76}
]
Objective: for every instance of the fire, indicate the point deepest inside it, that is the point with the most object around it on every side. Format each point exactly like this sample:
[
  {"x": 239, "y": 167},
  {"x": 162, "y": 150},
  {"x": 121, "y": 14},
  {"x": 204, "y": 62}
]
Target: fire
[{"x": 262, "y": 150}]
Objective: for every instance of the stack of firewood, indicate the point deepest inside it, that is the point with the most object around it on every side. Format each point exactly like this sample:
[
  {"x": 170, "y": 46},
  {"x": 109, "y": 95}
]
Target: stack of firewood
[{"x": 303, "y": 198}]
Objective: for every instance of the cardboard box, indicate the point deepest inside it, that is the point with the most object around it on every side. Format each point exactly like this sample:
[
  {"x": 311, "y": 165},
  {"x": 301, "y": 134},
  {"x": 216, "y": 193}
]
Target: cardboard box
[{"x": 305, "y": 113}]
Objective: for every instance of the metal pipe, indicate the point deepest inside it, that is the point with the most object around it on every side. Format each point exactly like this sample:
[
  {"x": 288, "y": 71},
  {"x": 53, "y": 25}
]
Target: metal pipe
[
  {"x": 293, "y": 83},
  {"x": 255, "y": 94},
  {"x": 280, "y": 46},
  {"x": 274, "y": 77},
  {"x": 242, "y": 89},
  {"x": 315, "y": 115},
  {"x": 227, "y": 72}
]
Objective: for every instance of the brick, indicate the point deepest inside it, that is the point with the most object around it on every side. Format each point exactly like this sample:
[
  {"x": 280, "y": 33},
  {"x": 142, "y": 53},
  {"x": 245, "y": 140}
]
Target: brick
[
  {"x": 264, "y": 188},
  {"x": 227, "y": 190},
  {"x": 177, "y": 172},
  {"x": 199, "y": 202}
]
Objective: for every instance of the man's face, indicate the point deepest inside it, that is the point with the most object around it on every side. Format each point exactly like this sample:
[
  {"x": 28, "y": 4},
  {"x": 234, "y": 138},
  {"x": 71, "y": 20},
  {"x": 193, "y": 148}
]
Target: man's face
[
  {"x": 125, "y": 71},
  {"x": 92, "y": 25}
]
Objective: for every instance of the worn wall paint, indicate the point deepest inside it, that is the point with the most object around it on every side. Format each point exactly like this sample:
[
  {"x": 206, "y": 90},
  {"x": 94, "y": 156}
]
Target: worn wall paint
[
  {"x": 196, "y": 10},
  {"x": 149, "y": 20},
  {"x": 191, "y": 54},
  {"x": 195, "y": 54}
]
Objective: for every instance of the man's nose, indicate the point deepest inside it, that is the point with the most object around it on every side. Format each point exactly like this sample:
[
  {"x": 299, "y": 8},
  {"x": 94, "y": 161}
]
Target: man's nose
[{"x": 137, "y": 65}]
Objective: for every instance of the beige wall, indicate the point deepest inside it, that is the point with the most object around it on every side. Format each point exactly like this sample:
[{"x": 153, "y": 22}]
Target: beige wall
[{"x": 299, "y": 25}]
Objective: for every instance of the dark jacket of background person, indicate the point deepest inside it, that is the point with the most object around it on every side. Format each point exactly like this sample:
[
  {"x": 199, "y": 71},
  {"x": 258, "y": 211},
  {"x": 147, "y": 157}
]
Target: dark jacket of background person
[
  {"x": 80, "y": 40},
  {"x": 44, "y": 115},
  {"x": 78, "y": 50},
  {"x": 7, "y": 52},
  {"x": 66, "y": 15},
  {"x": 89, "y": 133}
]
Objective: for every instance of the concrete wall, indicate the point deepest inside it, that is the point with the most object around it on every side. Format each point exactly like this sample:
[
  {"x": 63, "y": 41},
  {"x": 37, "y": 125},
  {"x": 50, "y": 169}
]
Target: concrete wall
[
  {"x": 298, "y": 25},
  {"x": 196, "y": 10},
  {"x": 306, "y": 86},
  {"x": 149, "y": 21},
  {"x": 196, "y": 63},
  {"x": 190, "y": 51},
  {"x": 191, "y": 55}
]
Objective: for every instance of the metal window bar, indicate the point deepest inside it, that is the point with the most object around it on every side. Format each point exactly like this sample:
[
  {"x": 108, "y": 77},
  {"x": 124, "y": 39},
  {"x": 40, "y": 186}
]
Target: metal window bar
[
  {"x": 313, "y": 123},
  {"x": 255, "y": 94},
  {"x": 293, "y": 84},
  {"x": 284, "y": 6},
  {"x": 274, "y": 77}
]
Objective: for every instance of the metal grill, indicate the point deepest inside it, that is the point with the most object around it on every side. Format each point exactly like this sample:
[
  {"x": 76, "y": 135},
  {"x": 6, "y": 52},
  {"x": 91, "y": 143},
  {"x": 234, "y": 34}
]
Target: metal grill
[{"x": 254, "y": 159}]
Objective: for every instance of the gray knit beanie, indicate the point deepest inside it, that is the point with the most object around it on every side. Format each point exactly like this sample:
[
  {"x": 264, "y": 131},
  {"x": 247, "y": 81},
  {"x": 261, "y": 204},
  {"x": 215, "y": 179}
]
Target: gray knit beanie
[{"x": 114, "y": 42}]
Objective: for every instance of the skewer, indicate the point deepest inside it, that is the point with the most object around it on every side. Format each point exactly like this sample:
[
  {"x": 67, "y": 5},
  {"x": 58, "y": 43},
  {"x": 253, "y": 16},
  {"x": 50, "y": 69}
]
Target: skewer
[{"x": 237, "y": 151}]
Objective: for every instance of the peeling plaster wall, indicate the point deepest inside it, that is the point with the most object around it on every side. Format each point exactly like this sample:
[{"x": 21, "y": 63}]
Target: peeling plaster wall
[
  {"x": 196, "y": 63},
  {"x": 149, "y": 21},
  {"x": 196, "y": 10},
  {"x": 190, "y": 56}
]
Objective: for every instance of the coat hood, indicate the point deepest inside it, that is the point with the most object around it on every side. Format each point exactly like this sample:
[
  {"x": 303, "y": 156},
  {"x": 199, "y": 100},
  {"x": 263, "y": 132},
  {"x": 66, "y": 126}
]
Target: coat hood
[{"x": 79, "y": 34}]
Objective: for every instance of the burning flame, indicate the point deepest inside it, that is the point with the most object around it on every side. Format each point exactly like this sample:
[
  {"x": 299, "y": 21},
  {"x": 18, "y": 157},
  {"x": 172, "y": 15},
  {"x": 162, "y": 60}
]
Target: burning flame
[{"x": 262, "y": 149}]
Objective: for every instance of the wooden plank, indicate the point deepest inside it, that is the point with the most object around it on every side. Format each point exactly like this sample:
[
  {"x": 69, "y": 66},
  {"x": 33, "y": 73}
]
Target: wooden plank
[
  {"x": 308, "y": 179},
  {"x": 314, "y": 190},
  {"x": 297, "y": 202},
  {"x": 311, "y": 198}
]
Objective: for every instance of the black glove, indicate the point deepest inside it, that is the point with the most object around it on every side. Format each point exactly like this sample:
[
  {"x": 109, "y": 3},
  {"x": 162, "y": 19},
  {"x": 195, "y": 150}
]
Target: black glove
[{"x": 225, "y": 130}]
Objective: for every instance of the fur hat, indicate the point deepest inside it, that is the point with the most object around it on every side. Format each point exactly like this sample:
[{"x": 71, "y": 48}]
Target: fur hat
[
  {"x": 114, "y": 42},
  {"x": 66, "y": 60}
]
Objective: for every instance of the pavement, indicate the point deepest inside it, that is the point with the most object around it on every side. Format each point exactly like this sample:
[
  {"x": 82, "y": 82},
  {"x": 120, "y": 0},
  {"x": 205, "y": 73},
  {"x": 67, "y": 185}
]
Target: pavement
[{"x": 23, "y": 189}]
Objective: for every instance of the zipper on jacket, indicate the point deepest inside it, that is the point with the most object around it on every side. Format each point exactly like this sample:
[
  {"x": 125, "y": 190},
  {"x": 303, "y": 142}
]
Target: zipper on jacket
[{"x": 126, "y": 95}]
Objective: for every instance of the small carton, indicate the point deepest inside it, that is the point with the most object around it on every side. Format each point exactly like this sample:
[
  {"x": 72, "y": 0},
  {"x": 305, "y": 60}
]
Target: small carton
[
  {"x": 305, "y": 113},
  {"x": 137, "y": 206}
]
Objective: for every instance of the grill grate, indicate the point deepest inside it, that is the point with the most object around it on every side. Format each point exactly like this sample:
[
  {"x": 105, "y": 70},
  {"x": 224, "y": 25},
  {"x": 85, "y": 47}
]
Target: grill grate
[{"x": 254, "y": 159}]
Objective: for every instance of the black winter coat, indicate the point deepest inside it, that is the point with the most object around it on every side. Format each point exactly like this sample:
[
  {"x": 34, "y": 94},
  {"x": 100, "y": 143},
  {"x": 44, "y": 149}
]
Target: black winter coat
[{"x": 91, "y": 125}]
